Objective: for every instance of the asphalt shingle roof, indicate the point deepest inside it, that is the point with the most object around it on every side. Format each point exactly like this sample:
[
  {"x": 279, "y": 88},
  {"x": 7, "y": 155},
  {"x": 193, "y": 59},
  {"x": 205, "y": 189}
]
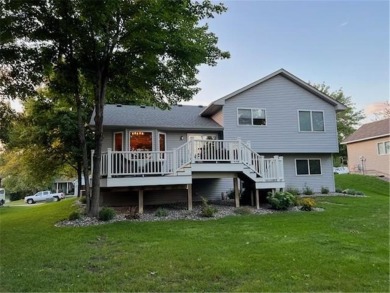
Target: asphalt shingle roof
[
  {"x": 370, "y": 130},
  {"x": 178, "y": 117}
]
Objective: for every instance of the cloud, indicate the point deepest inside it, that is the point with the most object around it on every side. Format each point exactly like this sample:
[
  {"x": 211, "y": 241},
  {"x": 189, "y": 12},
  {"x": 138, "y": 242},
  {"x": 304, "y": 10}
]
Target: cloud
[
  {"x": 343, "y": 23},
  {"x": 375, "y": 107}
]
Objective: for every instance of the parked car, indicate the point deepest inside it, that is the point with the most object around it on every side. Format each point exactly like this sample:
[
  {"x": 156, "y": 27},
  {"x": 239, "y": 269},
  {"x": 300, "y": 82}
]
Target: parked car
[
  {"x": 43, "y": 196},
  {"x": 340, "y": 170}
]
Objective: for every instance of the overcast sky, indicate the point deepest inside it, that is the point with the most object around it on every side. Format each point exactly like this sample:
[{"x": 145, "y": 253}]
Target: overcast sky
[{"x": 342, "y": 43}]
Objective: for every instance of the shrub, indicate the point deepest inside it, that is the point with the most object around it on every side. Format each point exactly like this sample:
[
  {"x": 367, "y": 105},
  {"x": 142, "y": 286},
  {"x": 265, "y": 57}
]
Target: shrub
[
  {"x": 339, "y": 190},
  {"x": 243, "y": 211},
  {"x": 15, "y": 196},
  {"x": 307, "y": 190},
  {"x": 207, "y": 210},
  {"x": 106, "y": 214},
  {"x": 132, "y": 213},
  {"x": 74, "y": 216},
  {"x": 307, "y": 204},
  {"x": 83, "y": 200},
  {"x": 349, "y": 191},
  {"x": 161, "y": 212},
  {"x": 281, "y": 200},
  {"x": 293, "y": 190},
  {"x": 352, "y": 192},
  {"x": 324, "y": 190}
]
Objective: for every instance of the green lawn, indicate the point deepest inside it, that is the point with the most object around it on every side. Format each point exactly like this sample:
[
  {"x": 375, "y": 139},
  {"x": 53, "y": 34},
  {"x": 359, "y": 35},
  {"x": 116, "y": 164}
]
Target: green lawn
[{"x": 344, "y": 248}]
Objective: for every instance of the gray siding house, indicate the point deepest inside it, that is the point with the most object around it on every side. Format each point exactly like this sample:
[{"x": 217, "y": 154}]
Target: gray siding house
[{"x": 275, "y": 133}]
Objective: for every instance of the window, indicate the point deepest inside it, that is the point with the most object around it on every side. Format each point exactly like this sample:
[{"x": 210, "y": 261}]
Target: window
[
  {"x": 308, "y": 166},
  {"x": 118, "y": 141},
  {"x": 384, "y": 148},
  {"x": 251, "y": 117},
  {"x": 141, "y": 141},
  {"x": 311, "y": 121},
  {"x": 162, "y": 143}
]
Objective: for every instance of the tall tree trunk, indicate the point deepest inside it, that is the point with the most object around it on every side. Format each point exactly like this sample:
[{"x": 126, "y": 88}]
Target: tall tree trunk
[
  {"x": 100, "y": 93},
  {"x": 83, "y": 144}
]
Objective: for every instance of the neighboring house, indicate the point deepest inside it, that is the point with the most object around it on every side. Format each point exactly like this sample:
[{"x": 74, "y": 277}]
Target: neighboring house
[
  {"x": 64, "y": 185},
  {"x": 275, "y": 133},
  {"x": 369, "y": 148}
]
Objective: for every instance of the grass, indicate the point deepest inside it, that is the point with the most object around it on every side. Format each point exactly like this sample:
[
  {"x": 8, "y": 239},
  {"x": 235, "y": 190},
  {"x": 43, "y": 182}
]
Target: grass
[{"x": 344, "y": 248}]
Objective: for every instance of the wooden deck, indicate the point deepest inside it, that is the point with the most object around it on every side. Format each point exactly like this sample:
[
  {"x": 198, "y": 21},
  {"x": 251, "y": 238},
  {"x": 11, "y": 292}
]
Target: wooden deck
[{"x": 194, "y": 159}]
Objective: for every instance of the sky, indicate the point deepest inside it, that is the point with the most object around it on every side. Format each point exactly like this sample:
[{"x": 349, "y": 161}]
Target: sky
[{"x": 344, "y": 44}]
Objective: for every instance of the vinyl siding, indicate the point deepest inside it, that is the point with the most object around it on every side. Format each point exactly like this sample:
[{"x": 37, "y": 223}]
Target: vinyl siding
[
  {"x": 315, "y": 182},
  {"x": 369, "y": 150},
  {"x": 281, "y": 99},
  {"x": 218, "y": 117},
  {"x": 211, "y": 188}
]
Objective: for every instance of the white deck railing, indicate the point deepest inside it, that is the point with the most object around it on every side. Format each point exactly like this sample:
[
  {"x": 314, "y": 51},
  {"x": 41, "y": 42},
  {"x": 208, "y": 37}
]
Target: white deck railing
[{"x": 141, "y": 163}]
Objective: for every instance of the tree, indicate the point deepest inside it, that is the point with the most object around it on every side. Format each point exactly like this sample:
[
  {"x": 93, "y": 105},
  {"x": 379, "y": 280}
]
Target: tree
[
  {"x": 7, "y": 116},
  {"x": 132, "y": 50},
  {"x": 43, "y": 144},
  {"x": 347, "y": 120}
]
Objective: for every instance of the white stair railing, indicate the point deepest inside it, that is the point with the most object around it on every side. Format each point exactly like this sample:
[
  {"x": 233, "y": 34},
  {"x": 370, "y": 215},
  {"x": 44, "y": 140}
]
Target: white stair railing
[{"x": 122, "y": 163}]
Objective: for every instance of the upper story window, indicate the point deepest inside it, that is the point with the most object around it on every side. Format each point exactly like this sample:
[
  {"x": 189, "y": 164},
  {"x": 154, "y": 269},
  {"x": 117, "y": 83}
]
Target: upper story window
[
  {"x": 384, "y": 148},
  {"x": 311, "y": 120},
  {"x": 141, "y": 141},
  {"x": 118, "y": 141},
  {"x": 251, "y": 116},
  {"x": 308, "y": 166}
]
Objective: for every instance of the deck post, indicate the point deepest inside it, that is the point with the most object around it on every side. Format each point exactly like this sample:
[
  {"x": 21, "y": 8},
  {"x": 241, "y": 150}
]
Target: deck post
[
  {"x": 189, "y": 196},
  {"x": 141, "y": 201},
  {"x": 257, "y": 199},
  {"x": 236, "y": 192},
  {"x": 109, "y": 171},
  {"x": 252, "y": 198}
]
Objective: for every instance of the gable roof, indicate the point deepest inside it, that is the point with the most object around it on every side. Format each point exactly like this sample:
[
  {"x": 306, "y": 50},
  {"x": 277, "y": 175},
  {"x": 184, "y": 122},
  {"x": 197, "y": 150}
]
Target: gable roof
[
  {"x": 217, "y": 105},
  {"x": 178, "y": 117},
  {"x": 369, "y": 131}
]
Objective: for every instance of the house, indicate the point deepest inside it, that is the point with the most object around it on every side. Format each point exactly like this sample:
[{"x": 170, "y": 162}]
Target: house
[
  {"x": 368, "y": 149},
  {"x": 274, "y": 133}
]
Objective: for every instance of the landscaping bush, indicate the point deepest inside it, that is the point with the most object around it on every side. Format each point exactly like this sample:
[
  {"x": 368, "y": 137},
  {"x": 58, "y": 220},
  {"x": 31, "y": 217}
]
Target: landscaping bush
[
  {"x": 307, "y": 190},
  {"x": 281, "y": 200},
  {"x": 207, "y": 210},
  {"x": 83, "y": 200},
  {"x": 132, "y": 213},
  {"x": 324, "y": 190},
  {"x": 15, "y": 196},
  {"x": 243, "y": 211},
  {"x": 74, "y": 216},
  {"x": 307, "y": 204},
  {"x": 161, "y": 212},
  {"x": 293, "y": 190},
  {"x": 106, "y": 214}
]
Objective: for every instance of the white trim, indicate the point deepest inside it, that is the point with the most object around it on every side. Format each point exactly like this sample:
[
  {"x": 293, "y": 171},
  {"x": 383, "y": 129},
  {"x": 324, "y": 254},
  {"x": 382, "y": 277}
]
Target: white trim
[
  {"x": 308, "y": 159},
  {"x": 384, "y": 148},
  {"x": 311, "y": 121},
  {"x": 113, "y": 140},
  {"x": 251, "y": 108}
]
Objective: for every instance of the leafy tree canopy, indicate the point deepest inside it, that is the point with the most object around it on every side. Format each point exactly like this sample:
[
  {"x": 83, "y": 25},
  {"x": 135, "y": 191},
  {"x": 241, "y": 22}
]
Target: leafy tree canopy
[
  {"x": 348, "y": 120},
  {"x": 132, "y": 50}
]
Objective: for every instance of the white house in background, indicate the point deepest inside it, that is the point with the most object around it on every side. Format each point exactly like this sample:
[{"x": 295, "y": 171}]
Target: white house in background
[{"x": 274, "y": 133}]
